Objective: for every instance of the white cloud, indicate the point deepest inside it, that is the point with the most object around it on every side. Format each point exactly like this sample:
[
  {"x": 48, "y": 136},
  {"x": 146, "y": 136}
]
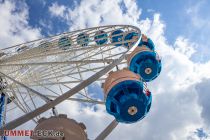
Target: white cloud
[
  {"x": 175, "y": 112},
  {"x": 14, "y": 25},
  {"x": 183, "y": 46},
  {"x": 57, "y": 10},
  {"x": 203, "y": 100},
  {"x": 150, "y": 10},
  {"x": 94, "y": 12}
]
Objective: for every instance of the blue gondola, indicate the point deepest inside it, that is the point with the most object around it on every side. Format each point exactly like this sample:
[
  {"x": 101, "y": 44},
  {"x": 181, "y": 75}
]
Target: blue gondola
[
  {"x": 130, "y": 36},
  {"x": 101, "y": 37},
  {"x": 127, "y": 102},
  {"x": 117, "y": 36},
  {"x": 64, "y": 43},
  {"x": 83, "y": 39},
  {"x": 146, "y": 64},
  {"x": 125, "y": 97}
]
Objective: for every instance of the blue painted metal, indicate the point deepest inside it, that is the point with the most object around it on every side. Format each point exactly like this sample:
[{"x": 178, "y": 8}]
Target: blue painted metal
[
  {"x": 2, "y": 102},
  {"x": 2, "y": 107},
  {"x": 83, "y": 39},
  {"x": 149, "y": 43},
  {"x": 127, "y": 94},
  {"x": 143, "y": 60},
  {"x": 117, "y": 36},
  {"x": 45, "y": 45},
  {"x": 101, "y": 37},
  {"x": 130, "y": 36},
  {"x": 64, "y": 43}
]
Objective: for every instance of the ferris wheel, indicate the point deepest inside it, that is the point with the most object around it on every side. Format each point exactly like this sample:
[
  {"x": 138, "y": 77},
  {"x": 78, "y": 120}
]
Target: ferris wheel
[{"x": 38, "y": 75}]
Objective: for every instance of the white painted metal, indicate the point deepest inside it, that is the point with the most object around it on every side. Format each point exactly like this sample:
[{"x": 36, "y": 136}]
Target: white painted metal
[
  {"x": 107, "y": 130},
  {"x": 36, "y": 73}
]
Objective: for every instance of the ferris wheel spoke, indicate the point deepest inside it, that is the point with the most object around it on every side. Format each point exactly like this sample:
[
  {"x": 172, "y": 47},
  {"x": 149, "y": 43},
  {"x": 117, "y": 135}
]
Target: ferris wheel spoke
[
  {"x": 35, "y": 121},
  {"x": 65, "y": 82},
  {"x": 86, "y": 52},
  {"x": 107, "y": 130},
  {"x": 81, "y": 93},
  {"x": 28, "y": 109},
  {"x": 18, "y": 103},
  {"x": 30, "y": 89},
  {"x": 80, "y": 100},
  {"x": 22, "y": 106},
  {"x": 72, "y": 73},
  {"x": 83, "y": 59},
  {"x": 22, "y": 56},
  {"x": 71, "y": 58},
  {"x": 24, "y": 100},
  {"x": 59, "y": 63},
  {"x": 14, "y": 93},
  {"x": 95, "y": 54},
  {"x": 60, "y": 82}
]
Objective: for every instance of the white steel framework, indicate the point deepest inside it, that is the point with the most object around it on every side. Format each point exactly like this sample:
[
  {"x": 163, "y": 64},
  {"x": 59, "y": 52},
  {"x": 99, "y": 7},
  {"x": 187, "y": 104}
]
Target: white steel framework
[{"x": 41, "y": 76}]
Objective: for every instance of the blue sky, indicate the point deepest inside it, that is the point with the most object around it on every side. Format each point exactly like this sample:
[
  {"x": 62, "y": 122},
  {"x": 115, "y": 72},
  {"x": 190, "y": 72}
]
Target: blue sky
[
  {"x": 173, "y": 13},
  {"x": 180, "y": 30},
  {"x": 188, "y": 18}
]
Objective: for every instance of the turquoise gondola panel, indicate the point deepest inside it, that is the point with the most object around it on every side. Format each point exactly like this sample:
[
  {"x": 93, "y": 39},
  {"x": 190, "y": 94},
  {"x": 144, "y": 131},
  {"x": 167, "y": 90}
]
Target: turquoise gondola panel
[
  {"x": 117, "y": 36},
  {"x": 83, "y": 39},
  {"x": 130, "y": 36},
  {"x": 45, "y": 45},
  {"x": 101, "y": 37},
  {"x": 64, "y": 43}
]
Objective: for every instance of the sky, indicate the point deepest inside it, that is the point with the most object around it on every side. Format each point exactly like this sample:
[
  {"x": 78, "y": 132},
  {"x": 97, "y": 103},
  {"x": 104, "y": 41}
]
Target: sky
[{"x": 180, "y": 30}]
